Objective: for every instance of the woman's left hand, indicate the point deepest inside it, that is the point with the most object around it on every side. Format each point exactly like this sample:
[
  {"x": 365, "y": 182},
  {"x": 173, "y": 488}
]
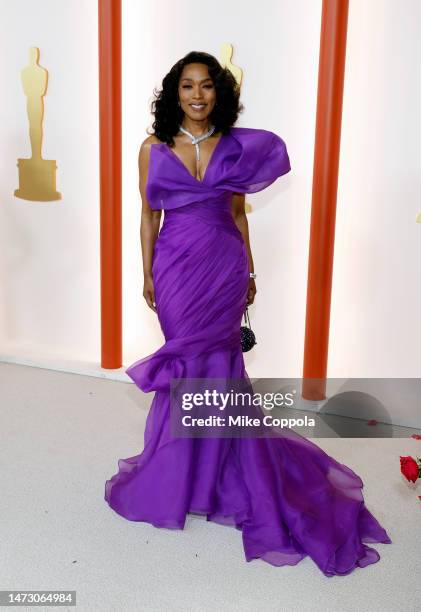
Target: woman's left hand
[{"x": 251, "y": 291}]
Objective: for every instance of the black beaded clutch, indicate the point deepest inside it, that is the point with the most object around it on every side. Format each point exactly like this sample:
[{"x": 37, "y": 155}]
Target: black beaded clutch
[{"x": 248, "y": 339}]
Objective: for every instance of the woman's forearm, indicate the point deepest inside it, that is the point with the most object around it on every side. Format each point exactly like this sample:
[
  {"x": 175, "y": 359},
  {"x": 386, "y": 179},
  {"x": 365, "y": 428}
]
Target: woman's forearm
[
  {"x": 149, "y": 229},
  {"x": 242, "y": 224}
]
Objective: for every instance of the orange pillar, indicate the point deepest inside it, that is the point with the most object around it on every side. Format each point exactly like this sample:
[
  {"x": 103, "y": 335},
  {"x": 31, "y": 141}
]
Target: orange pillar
[
  {"x": 325, "y": 182},
  {"x": 109, "y": 40}
]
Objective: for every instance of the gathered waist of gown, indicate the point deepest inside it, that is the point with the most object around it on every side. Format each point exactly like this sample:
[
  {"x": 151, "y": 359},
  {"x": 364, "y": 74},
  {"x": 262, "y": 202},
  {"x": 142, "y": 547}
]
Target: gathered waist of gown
[{"x": 214, "y": 211}]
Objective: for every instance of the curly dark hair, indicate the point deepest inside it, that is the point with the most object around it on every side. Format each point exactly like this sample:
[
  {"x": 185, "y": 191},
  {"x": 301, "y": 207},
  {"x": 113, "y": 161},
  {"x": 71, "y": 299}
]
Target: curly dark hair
[{"x": 168, "y": 115}]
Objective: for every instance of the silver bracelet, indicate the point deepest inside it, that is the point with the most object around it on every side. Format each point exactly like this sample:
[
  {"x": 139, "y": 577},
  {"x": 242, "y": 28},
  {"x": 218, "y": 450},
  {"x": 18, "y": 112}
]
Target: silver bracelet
[{"x": 253, "y": 275}]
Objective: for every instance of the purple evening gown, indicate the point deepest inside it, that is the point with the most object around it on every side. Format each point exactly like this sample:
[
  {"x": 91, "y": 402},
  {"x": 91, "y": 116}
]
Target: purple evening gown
[{"x": 286, "y": 495}]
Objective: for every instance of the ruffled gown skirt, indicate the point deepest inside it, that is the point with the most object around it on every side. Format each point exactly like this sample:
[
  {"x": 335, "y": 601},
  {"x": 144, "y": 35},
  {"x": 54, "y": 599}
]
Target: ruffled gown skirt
[{"x": 288, "y": 497}]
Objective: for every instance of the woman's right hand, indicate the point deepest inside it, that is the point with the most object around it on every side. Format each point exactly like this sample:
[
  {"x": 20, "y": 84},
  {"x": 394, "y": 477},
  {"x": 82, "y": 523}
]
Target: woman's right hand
[{"x": 149, "y": 292}]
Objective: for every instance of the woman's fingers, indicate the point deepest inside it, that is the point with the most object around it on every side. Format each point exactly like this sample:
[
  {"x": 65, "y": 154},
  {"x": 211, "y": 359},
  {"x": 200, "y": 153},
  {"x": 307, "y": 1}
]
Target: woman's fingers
[
  {"x": 251, "y": 292},
  {"x": 151, "y": 302},
  {"x": 150, "y": 299}
]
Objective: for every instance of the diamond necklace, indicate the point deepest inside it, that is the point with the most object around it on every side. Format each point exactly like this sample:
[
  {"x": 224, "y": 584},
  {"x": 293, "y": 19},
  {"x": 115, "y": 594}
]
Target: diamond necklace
[{"x": 196, "y": 139}]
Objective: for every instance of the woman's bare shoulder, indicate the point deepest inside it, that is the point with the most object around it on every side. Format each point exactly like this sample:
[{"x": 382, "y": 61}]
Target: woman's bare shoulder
[
  {"x": 145, "y": 149},
  {"x": 149, "y": 140}
]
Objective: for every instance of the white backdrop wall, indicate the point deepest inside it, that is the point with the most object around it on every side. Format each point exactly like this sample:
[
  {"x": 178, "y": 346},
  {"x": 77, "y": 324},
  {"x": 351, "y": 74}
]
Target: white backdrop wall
[
  {"x": 49, "y": 267},
  {"x": 49, "y": 271},
  {"x": 376, "y": 297}
]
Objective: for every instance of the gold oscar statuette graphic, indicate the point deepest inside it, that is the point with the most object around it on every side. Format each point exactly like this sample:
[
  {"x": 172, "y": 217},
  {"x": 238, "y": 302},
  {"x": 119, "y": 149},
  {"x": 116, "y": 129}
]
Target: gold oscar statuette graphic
[
  {"x": 226, "y": 56},
  {"x": 37, "y": 176}
]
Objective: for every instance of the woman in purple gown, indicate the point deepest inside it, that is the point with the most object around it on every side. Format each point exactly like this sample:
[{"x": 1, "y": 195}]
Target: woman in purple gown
[{"x": 285, "y": 494}]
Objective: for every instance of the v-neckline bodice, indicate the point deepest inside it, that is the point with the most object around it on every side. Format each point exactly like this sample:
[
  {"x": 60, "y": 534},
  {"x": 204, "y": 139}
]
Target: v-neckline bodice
[{"x": 183, "y": 165}]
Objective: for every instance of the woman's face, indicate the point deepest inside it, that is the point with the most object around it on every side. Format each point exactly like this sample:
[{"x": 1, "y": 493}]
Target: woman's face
[{"x": 196, "y": 92}]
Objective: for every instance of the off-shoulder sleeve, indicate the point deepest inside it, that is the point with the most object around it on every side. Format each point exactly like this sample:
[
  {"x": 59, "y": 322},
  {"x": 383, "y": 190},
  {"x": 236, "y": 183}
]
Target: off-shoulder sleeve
[
  {"x": 246, "y": 160},
  {"x": 261, "y": 158}
]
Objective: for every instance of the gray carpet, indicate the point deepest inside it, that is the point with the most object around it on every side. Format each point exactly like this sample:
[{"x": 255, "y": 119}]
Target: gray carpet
[{"x": 61, "y": 437}]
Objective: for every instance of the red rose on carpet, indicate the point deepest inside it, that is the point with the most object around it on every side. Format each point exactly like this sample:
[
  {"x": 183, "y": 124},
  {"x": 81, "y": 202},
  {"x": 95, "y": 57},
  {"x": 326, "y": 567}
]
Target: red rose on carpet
[{"x": 410, "y": 468}]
